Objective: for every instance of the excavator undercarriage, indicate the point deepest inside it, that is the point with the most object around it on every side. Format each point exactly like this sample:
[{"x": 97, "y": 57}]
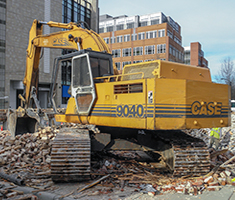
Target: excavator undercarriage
[{"x": 176, "y": 151}]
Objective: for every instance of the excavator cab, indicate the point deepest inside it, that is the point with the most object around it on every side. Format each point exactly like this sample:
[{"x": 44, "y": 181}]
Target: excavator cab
[
  {"x": 87, "y": 65},
  {"x": 85, "y": 68}
]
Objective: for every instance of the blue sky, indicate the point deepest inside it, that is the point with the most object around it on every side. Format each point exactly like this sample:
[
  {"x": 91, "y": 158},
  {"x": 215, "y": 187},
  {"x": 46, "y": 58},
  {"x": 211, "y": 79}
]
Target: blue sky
[{"x": 210, "y": 22}]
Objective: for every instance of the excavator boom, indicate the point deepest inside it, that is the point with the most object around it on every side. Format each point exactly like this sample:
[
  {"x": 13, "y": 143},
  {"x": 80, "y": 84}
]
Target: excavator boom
[{"x": 74, "y": 37}]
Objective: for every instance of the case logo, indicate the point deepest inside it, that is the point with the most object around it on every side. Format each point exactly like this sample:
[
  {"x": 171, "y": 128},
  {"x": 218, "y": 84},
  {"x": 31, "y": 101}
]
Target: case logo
[
  {"x": 61, "y": 42},
  {"x": 206, "y": 108}
]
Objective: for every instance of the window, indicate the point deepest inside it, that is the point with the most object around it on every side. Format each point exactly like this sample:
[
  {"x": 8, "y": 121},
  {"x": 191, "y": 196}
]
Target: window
[
  {"x": 204, "y": 63},
  {"x": 112, "y": 40},
  {"x": 118, "y": 65},
  {"x": 150, "y": 49},
  {"x": 148, "y": 60},
  {"x": 201, "y": 53},
  {"x": 119, "y": 38},
  {"x": 169, "y": 33},
  {"x": 134, "y": 37},
  {"x": 106, "y": 40},
  {"x": 120, "y": 27},
  {"x": 180, "y": 55},
  {"x": 199, "y": 62},
  {"x": 116, "y": 53},
  {"x": 144, "y": 23},
  {"x": 109, "y": 28},
  {"x": 126, "y": 38},
  {"x": 151, "y": 34},
  {"x": 170, "y": 49},
  {"x": 173, "y": 51},
  {"x": 130, "y": 25},
  {"x": 155, "y": 21},
  {"x": 141, "y": 36},
  {"x": 161, "y": 33},
  {"x": 126, "y": 52},
  {"x": 177, "y": 53},
  {"x": 137, "y": 51},
  {"x": 137, "y": 61},
  {"x": 101, "y": 30},
  {"x": 66, "y": 72},
  {"x": 161, "y": 48},
  {"x": 177, "y": 40},
  {"x": 126, "y": 63}
]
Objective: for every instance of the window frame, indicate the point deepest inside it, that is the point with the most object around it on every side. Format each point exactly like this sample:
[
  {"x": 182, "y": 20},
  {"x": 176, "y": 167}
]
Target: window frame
[
  {"x": 161, "y": 48},
  {"x": 134, "y": 37},
  {"x": 151, "y": 34},
  {"x": 150, "y": 48},
  {"x": 135, "y": 50},
  {"x": 161, "y": 33},
  {"x": 126, "y": 52},
  {"x": 125, "y": 38},
  {"x": 116, "y": 53},
  {"x": 120, "y": 27},
  {"x": 119, "y": 38},
  {"x": 141, "y": 36}
]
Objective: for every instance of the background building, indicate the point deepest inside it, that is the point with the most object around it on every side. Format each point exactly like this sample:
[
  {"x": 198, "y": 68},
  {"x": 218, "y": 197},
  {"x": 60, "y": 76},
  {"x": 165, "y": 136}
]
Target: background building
[
  {"x": 193, "y": 55},
  {"x": 16, "y": 18},
  {"x": 142, "y": 38}
]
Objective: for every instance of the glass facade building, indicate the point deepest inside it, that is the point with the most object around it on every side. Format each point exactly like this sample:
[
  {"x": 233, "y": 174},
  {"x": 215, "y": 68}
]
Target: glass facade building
[
  {"x": 76, "y": 10},
  {"x": 72, "y": 11}
]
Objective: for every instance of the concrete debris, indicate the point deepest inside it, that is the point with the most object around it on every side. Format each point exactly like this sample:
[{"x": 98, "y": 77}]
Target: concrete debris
[{"x": 26, "y": 159}]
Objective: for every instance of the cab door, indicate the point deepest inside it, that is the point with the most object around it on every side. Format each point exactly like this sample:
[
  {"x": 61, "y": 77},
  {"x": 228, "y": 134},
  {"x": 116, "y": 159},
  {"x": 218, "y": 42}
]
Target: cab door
[{"x": 83, "y": 89}]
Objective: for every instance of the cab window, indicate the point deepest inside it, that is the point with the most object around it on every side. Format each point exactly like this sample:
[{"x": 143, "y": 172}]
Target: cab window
[{"x": 99, "y": 67}]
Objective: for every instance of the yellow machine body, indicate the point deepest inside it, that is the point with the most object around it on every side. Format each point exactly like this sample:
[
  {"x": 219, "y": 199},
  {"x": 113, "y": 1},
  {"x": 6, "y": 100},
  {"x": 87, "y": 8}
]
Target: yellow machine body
[{"x": 157, "y": 95}]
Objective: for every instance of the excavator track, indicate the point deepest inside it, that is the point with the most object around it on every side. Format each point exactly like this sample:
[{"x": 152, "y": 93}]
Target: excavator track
[
  {"x": 190, "y": 155},
  {"x": 191, "y": 158},
  {"x": 70, "y": 156}
]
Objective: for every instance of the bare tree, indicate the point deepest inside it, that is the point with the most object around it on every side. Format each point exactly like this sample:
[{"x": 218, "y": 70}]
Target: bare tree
[{"x": 227, "y": 74}]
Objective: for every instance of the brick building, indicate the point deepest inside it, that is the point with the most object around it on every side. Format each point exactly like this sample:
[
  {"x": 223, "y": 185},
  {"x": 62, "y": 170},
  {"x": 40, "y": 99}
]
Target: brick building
[
  {"x": 194, "y": 55},
  {"x": 142, "y": 38},
  {"x": 16, "y": 18}
]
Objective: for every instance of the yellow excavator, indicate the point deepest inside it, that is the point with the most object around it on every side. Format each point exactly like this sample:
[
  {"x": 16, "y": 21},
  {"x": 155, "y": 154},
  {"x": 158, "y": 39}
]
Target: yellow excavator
[{"x": 149, "y": 107}]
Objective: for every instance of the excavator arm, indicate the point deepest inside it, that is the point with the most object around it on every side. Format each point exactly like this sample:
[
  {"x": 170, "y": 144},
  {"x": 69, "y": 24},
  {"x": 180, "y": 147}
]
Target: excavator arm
[{"x": 74, "y": 37}]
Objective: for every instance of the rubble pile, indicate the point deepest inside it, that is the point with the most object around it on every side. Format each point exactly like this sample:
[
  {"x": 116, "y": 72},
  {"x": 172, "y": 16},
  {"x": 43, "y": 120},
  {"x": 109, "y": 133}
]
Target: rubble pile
[
  {"x": 26, "y": 158},
  {"x": 193, "y": 186},
  {"x": 148, "y": 179},
  {"x": 203, "y": 134},
  {"x": 227, "y": 140}
]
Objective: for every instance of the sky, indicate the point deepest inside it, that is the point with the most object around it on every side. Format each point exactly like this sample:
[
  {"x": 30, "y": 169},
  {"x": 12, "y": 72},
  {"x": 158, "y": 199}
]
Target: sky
[{"x": 210, "y": 22}]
